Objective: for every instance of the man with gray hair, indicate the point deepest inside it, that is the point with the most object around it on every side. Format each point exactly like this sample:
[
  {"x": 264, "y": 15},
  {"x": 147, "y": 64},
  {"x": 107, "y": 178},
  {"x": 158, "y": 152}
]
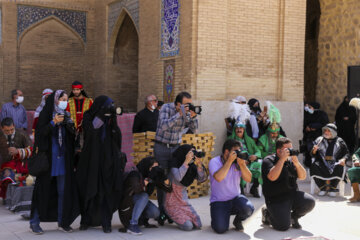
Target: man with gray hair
[
  {"x": 146, "y": 119},
  {"x": 15, "y": 110}
]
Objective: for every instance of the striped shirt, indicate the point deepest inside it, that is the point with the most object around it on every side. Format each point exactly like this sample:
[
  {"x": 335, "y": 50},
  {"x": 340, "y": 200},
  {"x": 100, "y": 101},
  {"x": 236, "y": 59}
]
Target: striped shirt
[
  {"x": 170, "y": 125},
  {"x": 17, "y": 113}
]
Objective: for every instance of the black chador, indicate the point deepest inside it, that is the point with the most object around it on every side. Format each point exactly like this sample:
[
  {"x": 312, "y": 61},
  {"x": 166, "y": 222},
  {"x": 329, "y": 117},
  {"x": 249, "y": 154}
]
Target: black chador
[{"x": 101, "y": 165}]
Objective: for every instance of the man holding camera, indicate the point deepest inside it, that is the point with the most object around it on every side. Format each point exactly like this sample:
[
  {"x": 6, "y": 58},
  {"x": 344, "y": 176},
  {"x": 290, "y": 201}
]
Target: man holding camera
[
  {"x": 285, "y": 204},
  {"x": 226, "y": 172},
  {"x": 174, "y": 118}
]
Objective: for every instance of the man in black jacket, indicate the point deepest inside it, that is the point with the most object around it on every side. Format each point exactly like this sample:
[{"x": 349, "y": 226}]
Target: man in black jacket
[
  {"x": 285, "y": 204},
  {"x": 146, "y": 119}
]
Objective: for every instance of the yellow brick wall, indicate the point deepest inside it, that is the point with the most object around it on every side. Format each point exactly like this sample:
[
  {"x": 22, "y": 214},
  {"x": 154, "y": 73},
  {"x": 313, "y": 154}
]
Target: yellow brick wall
[{"x": 250, "y": 48}]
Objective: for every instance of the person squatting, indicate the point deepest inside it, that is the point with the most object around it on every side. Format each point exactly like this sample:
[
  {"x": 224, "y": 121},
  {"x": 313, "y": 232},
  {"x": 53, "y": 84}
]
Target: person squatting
[{"x": 80, "y": 140}]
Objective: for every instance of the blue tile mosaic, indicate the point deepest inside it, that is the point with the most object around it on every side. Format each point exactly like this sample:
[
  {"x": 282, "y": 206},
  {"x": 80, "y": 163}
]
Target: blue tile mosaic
[
  {"x": 29, "y": 15},
  {"x": 170, "y": 28},
  {"x": 115, "y": 9}
]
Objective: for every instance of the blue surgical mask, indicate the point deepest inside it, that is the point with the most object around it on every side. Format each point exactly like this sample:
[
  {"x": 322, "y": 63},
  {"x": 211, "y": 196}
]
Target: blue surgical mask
[
  {"x": 311, "y": 111},
  {"x": 62, "y": 105}
]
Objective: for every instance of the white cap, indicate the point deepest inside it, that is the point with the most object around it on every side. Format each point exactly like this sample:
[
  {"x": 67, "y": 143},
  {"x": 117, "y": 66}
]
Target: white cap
[{"x": 239, "y": 99}]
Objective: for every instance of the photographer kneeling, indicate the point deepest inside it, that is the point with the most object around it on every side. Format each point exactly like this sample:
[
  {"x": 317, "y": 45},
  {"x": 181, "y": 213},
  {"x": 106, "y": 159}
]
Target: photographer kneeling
[
  {"x": 186, "y": 168},
  {"x": 285, "y": 204},
  {"x": 226, "y": 199}
]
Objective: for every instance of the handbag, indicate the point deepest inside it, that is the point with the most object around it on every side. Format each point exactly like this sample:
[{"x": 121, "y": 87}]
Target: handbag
[{"x": 38, "y": 163}]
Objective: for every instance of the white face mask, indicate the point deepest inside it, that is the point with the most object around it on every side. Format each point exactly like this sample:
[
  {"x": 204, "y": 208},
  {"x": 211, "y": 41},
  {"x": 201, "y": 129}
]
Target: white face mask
[
  {"x": 153, "y": 107},
  {"x": 20, "y": 99},
  {"x": 306, "y": 108},
  {"x": 62, "y": 105},
  {"x": 311, "y": 111}
]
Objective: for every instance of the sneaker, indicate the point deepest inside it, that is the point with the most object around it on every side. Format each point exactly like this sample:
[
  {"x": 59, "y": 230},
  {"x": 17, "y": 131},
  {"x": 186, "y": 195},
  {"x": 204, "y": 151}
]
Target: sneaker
[
  {"x": 36, "y": 229},
  {"x": 238, "y": 224},
  {"x": 134, "y": 229},
  {"x": 322, "y": 193},
  {"x": 66, "y": 229},
  {"x": 265, "y": 216},
  {"x": 333, "y": 192},
  {"x": 295, "y": 223}
]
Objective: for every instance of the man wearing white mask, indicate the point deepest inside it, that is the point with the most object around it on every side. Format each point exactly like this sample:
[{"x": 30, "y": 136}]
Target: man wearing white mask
[
  {"x": 146, "y": 119},
  {"x": 15, "y": 110}
]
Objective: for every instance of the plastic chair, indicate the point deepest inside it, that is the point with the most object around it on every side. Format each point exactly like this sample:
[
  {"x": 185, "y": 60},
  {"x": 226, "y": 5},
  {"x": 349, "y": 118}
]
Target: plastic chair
[{"x": 341, "y": 183}]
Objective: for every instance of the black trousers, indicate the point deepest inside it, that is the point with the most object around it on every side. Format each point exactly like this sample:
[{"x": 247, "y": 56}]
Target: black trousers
[
  {"x": 282, "y": 212},
  {"x": 319, "y": 169}
]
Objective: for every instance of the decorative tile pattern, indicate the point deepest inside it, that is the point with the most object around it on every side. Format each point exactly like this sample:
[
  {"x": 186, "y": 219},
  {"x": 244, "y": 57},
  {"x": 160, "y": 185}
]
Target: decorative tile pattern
[
  {"x": 29, "y": 15},
  {"x": 131, "y": 6},
  {"x": 170, "y": 28},
  {"x": 169, "y": 78}
]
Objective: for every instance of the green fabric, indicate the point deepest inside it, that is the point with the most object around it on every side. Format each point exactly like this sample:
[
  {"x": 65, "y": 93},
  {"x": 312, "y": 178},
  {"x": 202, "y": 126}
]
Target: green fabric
[
  {"x": 354, "y": 174},
  {"x": 250, "y": 143},
  {"x": 252, "y": 149},
  {"x": 357, "y": 153},
  {"x": 274, "y": 114},
  {"x": 264, "y": 145}
]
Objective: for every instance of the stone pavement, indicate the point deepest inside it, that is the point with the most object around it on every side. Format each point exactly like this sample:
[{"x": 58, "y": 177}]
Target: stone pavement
[{"x": 332, "y": 218}]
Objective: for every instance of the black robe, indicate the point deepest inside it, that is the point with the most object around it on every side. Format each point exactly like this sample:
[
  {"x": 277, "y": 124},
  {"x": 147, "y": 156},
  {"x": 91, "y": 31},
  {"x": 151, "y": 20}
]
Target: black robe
[
  {"x": 45, "y": 195},
  {"x": 100, "y": 169},
  {"x": 346, "y": 128}
]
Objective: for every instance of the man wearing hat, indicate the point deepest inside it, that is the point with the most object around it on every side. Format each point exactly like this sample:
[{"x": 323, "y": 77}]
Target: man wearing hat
[
  {"x": 79, "y": 102},
  {"x": 330, "y": 153},
  {"x": 233, "y": 113}
]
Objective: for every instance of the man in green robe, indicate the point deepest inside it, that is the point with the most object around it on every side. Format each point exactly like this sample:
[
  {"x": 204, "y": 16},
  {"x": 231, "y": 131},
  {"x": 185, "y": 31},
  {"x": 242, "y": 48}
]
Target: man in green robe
[
  {"x": 248, "y": 145},
  {"x": 267, "y": 141}
]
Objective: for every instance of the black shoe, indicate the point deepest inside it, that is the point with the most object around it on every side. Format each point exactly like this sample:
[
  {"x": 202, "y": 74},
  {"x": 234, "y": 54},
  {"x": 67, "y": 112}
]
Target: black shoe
[
  {"x": 265, "y": 218},
  {"x": 36, "y": 229},
  {"x": 238, "y": 224},
  {"x": 161, "y": 219},
  {"x": 107, "y": 229},
  {"x": 254, "y": 191},
  {"x": 295, "y": 223},
  {"x": 66, "y": 229}
]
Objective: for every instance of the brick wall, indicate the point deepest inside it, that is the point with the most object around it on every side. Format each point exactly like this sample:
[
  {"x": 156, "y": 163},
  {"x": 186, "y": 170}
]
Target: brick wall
[{"x": 339, "y": 47}]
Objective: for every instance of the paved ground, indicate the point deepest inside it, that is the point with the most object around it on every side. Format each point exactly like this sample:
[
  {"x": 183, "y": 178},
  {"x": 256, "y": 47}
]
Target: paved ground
[{"x": 332, "y": 218}]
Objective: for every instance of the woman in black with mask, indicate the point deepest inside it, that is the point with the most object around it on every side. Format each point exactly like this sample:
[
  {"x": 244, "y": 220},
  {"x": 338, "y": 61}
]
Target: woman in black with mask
[{"x": 54, "y": 196}]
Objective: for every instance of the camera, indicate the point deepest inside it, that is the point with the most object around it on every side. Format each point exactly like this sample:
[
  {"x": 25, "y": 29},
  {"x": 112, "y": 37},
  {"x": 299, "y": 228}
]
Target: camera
[
  {"x": 112, "y": 111},
  {"x": 198, "y": 154},
  {"x": 196, "y": 109},
  {"x": 293, "y": 152},
  {"x": 242, "y": 154}
]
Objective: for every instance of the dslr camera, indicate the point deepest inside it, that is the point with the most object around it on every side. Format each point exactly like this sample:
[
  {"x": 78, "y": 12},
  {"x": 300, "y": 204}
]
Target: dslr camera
[
  {"x": 293, "y": 152},
  {"x": 112, "y": 111},
  {"x": 197, "y": 154},
  {"x": 196, "y": 109},
  {"x": 242, "y": 154}
]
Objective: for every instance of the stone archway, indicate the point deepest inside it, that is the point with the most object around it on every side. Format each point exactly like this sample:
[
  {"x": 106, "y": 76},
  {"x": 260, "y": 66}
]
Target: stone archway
[
  {"x": 50, "y": 56},
  {"x": 313, "y": 13},
  {"x": 123, "y": 69}
]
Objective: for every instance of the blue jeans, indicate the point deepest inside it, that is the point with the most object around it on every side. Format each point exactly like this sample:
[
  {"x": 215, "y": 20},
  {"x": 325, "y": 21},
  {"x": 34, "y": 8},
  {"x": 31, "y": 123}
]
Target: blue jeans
[
  {"x": 163, "y": 156},
  {"x": 60, "y": 184},
  {"x": 142, "y": 205},
  {"x": 221, "y": 212}
]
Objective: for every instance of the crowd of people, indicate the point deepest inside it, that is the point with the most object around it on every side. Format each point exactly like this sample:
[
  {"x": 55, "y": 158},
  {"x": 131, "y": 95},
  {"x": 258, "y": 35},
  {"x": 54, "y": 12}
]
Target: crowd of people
[{"x": 83, "y": 168}]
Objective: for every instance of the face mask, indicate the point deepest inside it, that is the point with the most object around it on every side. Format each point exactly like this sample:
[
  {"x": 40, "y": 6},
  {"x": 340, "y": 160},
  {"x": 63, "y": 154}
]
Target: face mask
[
  {"x": 153, "y": 107},
  {"x": 62, "y": 105},
  {"x": 306, "y": 108},
  {"x": 311, "y": 111},
  {"x": 20, "y": 99}
]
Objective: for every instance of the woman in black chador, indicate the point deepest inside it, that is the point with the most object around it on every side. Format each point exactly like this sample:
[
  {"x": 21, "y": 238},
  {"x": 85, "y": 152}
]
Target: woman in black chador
[
  {"x": 345, "y": 121},
  {"x": 55, "y": 197},
  {"x": 101, "y": 165}
]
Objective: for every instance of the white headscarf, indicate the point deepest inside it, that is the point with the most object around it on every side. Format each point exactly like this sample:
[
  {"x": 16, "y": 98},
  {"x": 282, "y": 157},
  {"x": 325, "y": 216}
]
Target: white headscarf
[{"x": 45, "y": 93}]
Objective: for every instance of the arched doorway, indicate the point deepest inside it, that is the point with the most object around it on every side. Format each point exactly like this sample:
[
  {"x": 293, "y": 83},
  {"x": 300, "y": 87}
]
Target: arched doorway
[
  {"x": 313, "y": 13},
  {"x": 50, "y": 56},
  {"x": 123, "y": 71}
]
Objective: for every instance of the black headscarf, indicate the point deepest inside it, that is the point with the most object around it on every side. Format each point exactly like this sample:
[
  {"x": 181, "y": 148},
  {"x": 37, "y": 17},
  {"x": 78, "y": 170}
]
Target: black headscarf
[
  {"x": 144, "y": 166},
  {"x": 251, "y": 104},
  {"x": 315, "y": 105},
  {"x": 180, "y": 156}
]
